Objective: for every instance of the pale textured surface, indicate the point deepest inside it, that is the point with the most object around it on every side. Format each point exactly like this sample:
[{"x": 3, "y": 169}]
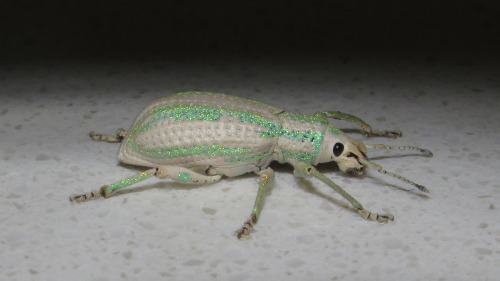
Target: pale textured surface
[{"x": 306, "y": 231}]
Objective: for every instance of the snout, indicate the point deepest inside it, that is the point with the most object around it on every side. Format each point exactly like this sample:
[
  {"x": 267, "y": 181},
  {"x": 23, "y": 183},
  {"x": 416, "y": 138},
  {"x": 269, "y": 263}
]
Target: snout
[
  {"x": 352, "y": 167},
  {"x": 358, "y": 171}
]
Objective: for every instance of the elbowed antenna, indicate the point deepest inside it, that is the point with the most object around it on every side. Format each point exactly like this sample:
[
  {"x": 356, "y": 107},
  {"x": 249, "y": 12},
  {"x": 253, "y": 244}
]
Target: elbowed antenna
[
  {"x": 401, "y": 178},
  {"x": 426, "y": 152}
]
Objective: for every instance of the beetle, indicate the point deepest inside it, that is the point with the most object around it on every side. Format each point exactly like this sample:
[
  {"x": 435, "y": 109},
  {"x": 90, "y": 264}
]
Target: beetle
[{"x": 199, "y": 137}]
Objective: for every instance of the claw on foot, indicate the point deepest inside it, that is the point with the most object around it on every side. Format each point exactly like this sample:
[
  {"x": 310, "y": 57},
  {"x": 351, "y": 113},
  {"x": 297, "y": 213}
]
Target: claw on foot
[
  {"x": 80, "y": 198},
  {"x": 244, "y": 231},
  {"x": 120, "y": 135},
  {"x": 394, "y": 134},
  {"x": 381, "y": 218},
  {"x": 95, "y": 136}
]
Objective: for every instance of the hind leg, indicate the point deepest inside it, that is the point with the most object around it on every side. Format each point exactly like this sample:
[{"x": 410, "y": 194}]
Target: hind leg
[{"x": 178, "y": 174}]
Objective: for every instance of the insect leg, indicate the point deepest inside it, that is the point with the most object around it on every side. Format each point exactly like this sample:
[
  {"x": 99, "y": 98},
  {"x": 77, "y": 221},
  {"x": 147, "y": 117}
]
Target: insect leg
[
  {"x": 266, "y": 176},
  {"x": 184, "y": 175},
  {"x": 309, "y": 170},
  {"x": 108, "y": 190},
  {"x": 364, "y": 126},
  {"x": 120, "y": 135},
  {"x": 178, "y": 174}
]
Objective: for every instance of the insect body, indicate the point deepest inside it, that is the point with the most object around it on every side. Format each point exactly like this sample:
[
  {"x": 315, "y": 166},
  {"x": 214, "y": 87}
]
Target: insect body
[{"x": 198, "y": 137}]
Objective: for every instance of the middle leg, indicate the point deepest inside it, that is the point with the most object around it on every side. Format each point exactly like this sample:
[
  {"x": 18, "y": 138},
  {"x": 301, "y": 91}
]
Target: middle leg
[{"x": 266, "y": 176}]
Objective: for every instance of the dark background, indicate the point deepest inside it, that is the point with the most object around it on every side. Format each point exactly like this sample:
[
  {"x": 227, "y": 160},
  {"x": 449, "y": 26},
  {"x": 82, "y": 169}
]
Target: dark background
[{"x": 129, "y": 30}]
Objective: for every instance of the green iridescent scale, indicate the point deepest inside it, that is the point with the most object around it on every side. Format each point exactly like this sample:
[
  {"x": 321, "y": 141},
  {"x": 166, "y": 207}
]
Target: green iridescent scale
[
  {"x": 309, "y": 136},
  {"x": 304, "y": 118},
  {"x": 180, "y": 151},
  {"x": 315, "y": 137},
  {"x": 128, "y": 181},
  {"x": 208, "y": 113},
  {"x": 185, "y": 113},
  {"x": 184, "y": 177}
]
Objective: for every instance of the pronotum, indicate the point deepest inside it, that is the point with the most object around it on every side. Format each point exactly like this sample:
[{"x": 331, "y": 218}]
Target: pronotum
[{"x": 199, "y": 137}]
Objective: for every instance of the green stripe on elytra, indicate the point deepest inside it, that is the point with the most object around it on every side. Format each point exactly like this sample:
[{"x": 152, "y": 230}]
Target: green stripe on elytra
[
  {"x": 315, "y": 137},
  {"x": 180, "y": 151},
  {"x": 208, "y": 113}
]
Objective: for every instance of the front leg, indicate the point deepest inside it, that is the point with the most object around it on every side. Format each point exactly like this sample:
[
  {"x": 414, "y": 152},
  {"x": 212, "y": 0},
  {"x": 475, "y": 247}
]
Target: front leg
[
  {"x": 364, "y": 126},
  {"x": 303, "y": 170}
]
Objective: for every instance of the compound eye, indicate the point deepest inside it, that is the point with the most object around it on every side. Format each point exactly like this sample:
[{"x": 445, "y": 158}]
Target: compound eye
[{"x": 338, "y": 148}]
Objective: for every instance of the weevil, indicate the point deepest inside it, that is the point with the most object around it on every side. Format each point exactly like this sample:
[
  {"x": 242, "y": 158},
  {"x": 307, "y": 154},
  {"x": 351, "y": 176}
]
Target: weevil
[{"x": 199, "y": 137}]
